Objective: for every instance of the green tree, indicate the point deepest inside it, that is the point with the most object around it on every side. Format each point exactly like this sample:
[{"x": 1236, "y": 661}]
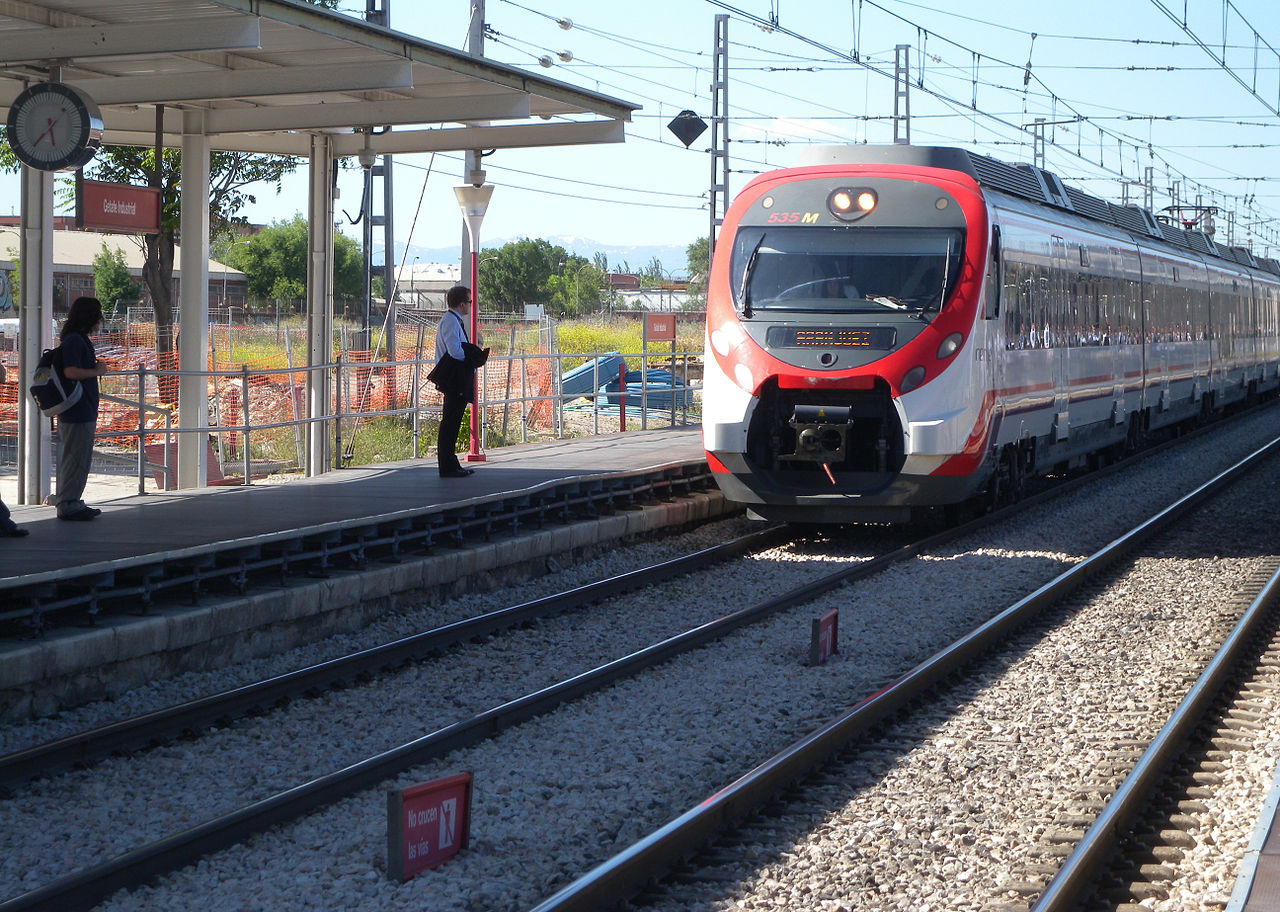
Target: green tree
[
  {"x": 114, "y": 285},
  {"x": 232, "y": 174},
  {"x": 274, "y": 261},
  {"x": 653, "y": 273},
  {"x": 520, "y": 273},
  {"x": 696, "y": 254},
  {"x": 577, "y": 289}
]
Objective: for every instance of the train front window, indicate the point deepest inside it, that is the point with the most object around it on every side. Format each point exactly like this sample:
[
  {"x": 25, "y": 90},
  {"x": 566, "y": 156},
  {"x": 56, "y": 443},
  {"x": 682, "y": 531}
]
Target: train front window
[{"x": 845, "y": 270}]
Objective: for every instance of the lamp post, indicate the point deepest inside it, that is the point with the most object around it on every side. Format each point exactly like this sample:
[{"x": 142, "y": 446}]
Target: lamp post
[
  {"x": 577, "y": 277},
  {"x": 473, "y": 199}
]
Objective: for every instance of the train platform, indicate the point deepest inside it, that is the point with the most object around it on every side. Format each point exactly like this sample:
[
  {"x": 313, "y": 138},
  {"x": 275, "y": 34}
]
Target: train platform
[
  {"x": 166, "y": 582},
  {"x": 1257, "y": 886}
]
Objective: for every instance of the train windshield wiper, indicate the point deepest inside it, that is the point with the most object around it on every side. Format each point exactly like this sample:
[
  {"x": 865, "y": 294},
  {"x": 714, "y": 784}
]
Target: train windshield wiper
[{"x": 744, "y": 293}]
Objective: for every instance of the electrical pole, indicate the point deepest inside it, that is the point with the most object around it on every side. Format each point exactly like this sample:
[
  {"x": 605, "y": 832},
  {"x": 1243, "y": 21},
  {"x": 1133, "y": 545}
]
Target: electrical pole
[
  {"x": 902, "y": 95},
  {"x": 471, "y": 159},
  {"x": 719, "y": 134},
  {"x": 378, "y": 12}
]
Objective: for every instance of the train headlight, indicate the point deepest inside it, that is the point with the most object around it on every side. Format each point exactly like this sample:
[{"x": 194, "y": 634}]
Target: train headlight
[
  {"x": 950, "y": 345},
  {"x": 851, "y": 203},
  {"x": 911, "y": 379}
]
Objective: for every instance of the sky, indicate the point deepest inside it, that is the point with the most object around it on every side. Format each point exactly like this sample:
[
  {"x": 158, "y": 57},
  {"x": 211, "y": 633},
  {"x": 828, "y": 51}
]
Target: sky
[{"x": 1121, "y": 86}]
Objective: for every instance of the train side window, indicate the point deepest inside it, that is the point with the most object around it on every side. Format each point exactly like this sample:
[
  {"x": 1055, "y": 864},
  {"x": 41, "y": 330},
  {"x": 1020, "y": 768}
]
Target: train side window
[{"x": 995, "y": 277}]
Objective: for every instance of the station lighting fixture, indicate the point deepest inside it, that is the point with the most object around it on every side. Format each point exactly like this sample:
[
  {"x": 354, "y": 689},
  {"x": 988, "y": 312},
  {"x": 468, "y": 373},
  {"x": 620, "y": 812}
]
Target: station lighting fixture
[{"x": 473, "y": 199}]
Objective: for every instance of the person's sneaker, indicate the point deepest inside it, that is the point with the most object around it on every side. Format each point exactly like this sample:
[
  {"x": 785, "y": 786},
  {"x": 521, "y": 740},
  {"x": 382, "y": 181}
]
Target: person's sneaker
[
  {"x": 15, "y": 532},
  {"x": 84, "y": 515}
]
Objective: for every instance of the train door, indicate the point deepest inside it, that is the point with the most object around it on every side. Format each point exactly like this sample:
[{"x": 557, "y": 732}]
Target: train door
[
  {"x": 1056, "y": 335},
  {"x": 1151, "y": 293},
  {"x": 1159, "y": 280},
  {"x": 991, "y": 373},
  {"x": 1126, "y": 320},
  {"x": 1095, "y": 356},
  {"x": 1268, "y": 308},
  {"x": 1198, "y": 329}
]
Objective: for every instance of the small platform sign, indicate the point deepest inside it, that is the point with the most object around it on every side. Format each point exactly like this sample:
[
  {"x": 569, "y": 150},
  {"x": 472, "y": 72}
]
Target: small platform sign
[
  {"x": 427, "y": 825},
  {"x": 660, "y": 327},
  {"x": 822, "y": 643}
]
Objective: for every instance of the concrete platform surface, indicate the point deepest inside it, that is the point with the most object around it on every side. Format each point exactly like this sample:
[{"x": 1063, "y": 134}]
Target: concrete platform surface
[{"x": 179, "y": 522}]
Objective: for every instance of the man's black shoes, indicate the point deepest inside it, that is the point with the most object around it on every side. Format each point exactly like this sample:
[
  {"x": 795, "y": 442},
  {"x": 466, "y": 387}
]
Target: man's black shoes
[{"x": 457, "y": 473}]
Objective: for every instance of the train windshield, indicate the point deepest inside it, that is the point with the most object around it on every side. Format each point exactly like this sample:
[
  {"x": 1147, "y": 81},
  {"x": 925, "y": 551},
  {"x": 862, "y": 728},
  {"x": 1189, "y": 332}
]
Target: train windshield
[{"x": 845, "y": 270}]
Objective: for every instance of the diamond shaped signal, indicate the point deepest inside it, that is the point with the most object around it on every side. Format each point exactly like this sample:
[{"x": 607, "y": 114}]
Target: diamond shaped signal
[{"x": 687, "y": 126}]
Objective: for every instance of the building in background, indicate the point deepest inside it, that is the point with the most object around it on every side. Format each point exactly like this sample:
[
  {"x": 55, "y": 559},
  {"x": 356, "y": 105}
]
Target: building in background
[{"x": 73, "y": 256}]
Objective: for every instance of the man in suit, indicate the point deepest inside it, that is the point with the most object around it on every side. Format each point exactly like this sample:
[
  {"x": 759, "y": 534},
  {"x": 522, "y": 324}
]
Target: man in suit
[{"x": 454, "y": 375}]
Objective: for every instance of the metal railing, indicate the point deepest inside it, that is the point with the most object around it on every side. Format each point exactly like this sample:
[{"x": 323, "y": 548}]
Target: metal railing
[{"x": 360, "y": 391}]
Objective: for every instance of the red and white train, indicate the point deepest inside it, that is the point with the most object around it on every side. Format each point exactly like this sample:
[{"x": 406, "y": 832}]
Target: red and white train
[{"x": 891, "y": 328}]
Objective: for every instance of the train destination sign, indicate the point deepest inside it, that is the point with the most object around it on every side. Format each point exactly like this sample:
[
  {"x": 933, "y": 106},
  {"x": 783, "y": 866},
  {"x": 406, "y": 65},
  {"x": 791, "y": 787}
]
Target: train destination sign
[
  {"x": 427, "y": 825},
  {"x": 880, "y": 338}
]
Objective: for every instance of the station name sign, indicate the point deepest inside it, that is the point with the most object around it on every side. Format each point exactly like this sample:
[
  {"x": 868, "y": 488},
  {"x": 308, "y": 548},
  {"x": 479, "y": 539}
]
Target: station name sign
[{"x": 117, "y": 207}]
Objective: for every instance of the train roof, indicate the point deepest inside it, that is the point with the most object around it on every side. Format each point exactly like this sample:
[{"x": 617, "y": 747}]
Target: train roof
[{"x": 1039, "y": 186}]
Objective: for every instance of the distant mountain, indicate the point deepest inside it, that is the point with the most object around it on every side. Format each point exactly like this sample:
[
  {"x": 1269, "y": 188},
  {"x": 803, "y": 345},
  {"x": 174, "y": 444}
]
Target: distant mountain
[{"x": 621, "y": 258}]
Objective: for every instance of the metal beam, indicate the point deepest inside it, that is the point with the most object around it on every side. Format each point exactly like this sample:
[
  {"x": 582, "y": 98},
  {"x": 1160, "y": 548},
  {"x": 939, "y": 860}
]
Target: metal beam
[
  {"x": 247, "y": 84},
  {"x": 36, "y": 45},
  {"x": 369, "y": 114},
  {"x": 513, "y": 136}
]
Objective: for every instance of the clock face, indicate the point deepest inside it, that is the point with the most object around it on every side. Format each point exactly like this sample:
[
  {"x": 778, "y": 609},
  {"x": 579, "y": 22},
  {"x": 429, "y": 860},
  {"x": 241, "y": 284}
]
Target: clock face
[{"x": 54, "y": 127}]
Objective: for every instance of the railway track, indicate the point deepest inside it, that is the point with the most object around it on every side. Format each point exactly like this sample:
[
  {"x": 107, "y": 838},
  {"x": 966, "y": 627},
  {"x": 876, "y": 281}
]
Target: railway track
[
  {"x": 1160, "y": 855},
  {"x": 937, "y": 722},
  {"x": 83, "y": 889},
  {"x": 222, "y": 708},
  {"x": 234, "y": 827}
]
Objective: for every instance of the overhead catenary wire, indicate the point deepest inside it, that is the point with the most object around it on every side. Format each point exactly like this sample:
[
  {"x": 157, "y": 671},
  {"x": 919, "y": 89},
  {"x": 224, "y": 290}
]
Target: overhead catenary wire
[{"x": 658, "y": 73}]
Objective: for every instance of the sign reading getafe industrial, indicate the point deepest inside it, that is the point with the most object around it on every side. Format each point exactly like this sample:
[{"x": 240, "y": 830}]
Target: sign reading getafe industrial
[{"x": 117, "y": 207}]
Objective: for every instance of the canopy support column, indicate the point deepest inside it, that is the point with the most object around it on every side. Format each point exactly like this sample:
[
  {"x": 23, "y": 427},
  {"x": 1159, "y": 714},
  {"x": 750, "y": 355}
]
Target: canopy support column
[
  {"x": 35, "y": 331},
  {"x": 193, "y": 332},
  {"x": 319, "y": 302}
]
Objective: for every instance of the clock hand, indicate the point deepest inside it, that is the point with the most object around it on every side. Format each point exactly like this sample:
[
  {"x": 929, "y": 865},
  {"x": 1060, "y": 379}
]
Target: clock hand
[{"x": 48, "y": 131}]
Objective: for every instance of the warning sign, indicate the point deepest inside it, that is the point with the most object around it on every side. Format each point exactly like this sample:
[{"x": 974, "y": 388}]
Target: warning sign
[
  {"x": 427, "y": 825},
  {"x": 822, "y": 641}
]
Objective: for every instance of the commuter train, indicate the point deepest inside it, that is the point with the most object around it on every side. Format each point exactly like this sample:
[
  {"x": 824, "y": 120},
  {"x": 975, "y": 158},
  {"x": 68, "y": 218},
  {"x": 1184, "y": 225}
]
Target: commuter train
[{"x": 892, "y": 329}]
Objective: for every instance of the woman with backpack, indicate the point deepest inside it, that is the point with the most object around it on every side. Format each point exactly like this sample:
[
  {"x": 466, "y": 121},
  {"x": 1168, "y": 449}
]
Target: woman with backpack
[
  {"x": 78, "y": 424},
  {"x": 8, "y": 528}
]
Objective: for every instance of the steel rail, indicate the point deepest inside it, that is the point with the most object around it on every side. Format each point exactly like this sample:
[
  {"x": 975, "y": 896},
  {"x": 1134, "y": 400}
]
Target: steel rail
[
  {"x": 626, "y": 873},
  {"x": 83, "y": 889},
  {"x": 1076, "y": 876},
  {"x": 142, "y": 731}
]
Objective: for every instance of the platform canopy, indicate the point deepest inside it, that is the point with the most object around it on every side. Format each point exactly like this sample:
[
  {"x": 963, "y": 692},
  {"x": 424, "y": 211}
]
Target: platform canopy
[
  {"x": 256, "y": 76},
  {"x": 269, "y": 73}
]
